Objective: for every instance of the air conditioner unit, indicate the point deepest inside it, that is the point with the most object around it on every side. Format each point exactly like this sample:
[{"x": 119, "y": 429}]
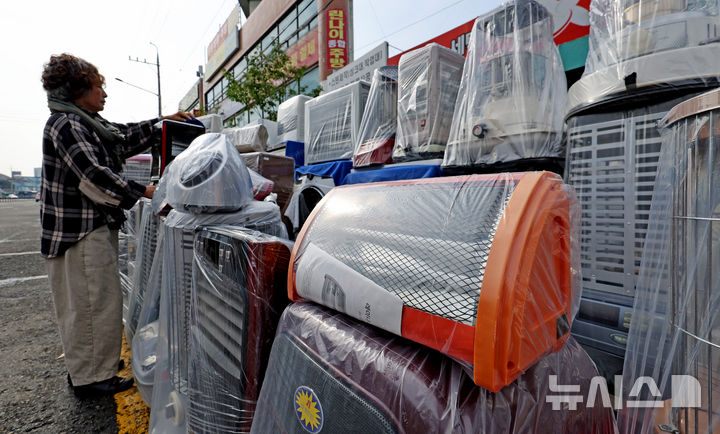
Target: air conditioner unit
[
  {"x": 376, "y": 138},
  {"x": 332, "y": 123},
  {"x": 513, "y": 95},
  {"x": 428, "y": 82},
  {"x": 291, "y": 119},
  {"x": 478, "y": 267},
  {"x": 239, "y": 291},
  {"x": 176, "y": 137},
  {"x": 678, "y": 295},
  {"x": 329, "y": 373}
]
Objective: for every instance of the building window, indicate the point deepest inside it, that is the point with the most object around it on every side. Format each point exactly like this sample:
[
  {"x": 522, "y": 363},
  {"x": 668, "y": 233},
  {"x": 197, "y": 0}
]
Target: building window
[{"x": 311, "y": 80}]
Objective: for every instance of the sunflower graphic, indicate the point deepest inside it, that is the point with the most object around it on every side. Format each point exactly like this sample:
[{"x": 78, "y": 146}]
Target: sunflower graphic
[{"x": 308, "y": 409}]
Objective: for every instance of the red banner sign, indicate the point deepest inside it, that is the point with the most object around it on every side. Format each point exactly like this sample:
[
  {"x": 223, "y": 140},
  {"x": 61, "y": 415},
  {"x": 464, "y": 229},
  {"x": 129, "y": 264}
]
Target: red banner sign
[
  {"x": 337, "y": 38},
  {"x": 305, "y": 51}
]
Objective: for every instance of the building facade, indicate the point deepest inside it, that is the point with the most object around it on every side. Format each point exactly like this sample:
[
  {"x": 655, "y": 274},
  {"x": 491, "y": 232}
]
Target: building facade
[{"x": 316, "y": 34}]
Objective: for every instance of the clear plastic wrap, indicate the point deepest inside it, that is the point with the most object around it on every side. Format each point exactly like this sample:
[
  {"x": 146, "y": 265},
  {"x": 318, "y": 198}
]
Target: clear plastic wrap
[
  {"x": 481, "y": 267},
  {"x": 146, "y": 242},
  {"x": 376, "y": 138},
  {"x": 250, "y": 138},
  {"x": 272, "y": 131},
  {"x": 262, "y": 186},
  {"x": 127, "y": 251},
  {"x": 428, "y": 80},
  {"x": 138, "y": 168},
  {"x": 213, "y": 123},
  {"x": 332, "y": 123},
  {"x": 513, "y": 95},
  {"x": 329, "y": 373},
  {"x": 209, "y": 176},
  {"x": 144, "y": 339},
  {"x": 639, "y": 43},
  {"x": 674, "y": 341},
  {"x": 612, "y": 163},
  {"x": 170, "y": 388},
  {"x": 239, "y": 291},
  {"x": 291, "y": 119}
]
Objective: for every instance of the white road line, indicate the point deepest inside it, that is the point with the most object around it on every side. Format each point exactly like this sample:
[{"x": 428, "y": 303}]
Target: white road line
[
  {"x": 17, "y": 241},
  {"x": 14, "y": 280},
  {"x": 20, "y": 253}
]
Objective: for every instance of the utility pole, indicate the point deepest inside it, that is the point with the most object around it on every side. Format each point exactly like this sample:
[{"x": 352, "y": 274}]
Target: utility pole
[{"x": 156, "y": 64}]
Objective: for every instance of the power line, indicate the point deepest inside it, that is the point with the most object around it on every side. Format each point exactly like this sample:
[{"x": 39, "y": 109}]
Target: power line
[{"x": 408, "y": 25}]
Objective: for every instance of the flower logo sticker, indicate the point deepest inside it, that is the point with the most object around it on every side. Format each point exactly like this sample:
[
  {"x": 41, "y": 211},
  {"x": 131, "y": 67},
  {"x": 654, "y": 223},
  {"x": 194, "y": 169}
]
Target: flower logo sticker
[{"x": 308, "y": 409}]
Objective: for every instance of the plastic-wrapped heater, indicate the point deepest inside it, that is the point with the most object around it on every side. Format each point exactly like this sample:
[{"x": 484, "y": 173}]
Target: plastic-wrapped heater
[
  {"x": 428, "y": 82},
  {"x": 675, "y": 337},
  {"x": 332, "y": 123},
  {"x": 513, "y": 95},
  {"x": 478, "y": 267}
]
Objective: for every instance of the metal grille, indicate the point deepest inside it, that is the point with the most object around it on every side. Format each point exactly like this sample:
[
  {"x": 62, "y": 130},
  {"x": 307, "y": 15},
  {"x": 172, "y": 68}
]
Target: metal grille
[
  {"x": 343, "y": 405},
  {"x": 146, "y": 245},
  {"x": 432, "y": 259},
  {"x": 137, "y": 171},
  {"x": 179, "y": 241},
  {"x": 695, "y": 271},
  {"x": 219, "y": 324},
  {"x": 612, "y": 164}
]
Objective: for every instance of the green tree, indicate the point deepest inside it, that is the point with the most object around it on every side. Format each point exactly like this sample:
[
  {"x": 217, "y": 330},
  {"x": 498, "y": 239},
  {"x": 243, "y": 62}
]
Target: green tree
[{"x": 270, "y": 78}]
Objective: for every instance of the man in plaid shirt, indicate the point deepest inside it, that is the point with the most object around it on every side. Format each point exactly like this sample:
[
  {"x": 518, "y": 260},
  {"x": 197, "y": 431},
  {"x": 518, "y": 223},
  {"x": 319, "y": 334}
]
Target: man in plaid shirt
[{"x": 83, "y": 197}]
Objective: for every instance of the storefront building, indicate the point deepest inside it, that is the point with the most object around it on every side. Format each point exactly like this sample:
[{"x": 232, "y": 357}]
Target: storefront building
[{"x": 316, "y": 34}]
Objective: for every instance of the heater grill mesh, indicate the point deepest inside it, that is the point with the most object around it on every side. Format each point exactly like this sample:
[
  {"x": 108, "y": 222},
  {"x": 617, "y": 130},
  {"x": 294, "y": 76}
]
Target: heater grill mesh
[{"x": 435, "y": 263}]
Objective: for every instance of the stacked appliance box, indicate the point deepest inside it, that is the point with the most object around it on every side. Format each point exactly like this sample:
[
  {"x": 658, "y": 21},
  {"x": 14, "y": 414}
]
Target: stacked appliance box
[
  {"x": 428, "y": 82},
  {"x": 250, "y": 138},
  {"x": 512, "y": 98},
  {"x": 329, "y": 373},
  {"x": 376, "y": 139},
  {"x": 332, "y": 123},
  {"x": 207, "y": 184},
  {"x": 238, "y": 293},
  {"x": 138, "y": 168},
  {"x": 644, "y": 58},
  {"x": 477, "y": 267},
  {"x": 678, "y": 287},
  {"x": 291, "y": 119}
]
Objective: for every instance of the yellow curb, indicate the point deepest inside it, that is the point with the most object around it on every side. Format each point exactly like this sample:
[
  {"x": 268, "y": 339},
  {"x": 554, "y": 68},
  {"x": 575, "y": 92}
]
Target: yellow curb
[{"x": 132, "y": 414}]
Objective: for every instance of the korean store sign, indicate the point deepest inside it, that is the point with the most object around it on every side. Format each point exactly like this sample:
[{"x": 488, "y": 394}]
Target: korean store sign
[
  {"x": 224, "y": 44},
  {"x": 337, "y": 38},
  {"x": 360, "y": 69},
  {"x": 305, "y": 51}
]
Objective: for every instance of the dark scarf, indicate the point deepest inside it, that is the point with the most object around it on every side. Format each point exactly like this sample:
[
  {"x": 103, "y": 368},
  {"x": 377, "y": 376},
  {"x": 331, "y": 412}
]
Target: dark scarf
[{"x": 111, "y": 136}]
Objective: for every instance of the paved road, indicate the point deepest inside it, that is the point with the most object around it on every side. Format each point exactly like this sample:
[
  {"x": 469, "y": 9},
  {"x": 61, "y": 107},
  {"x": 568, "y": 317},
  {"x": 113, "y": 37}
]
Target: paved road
[{"x": 34, "y": 396}]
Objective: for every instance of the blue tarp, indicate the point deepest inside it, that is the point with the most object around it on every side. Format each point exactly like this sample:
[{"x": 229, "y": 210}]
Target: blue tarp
[
  {"x": 393, "y": 173},
  {"x": 337, "y": 170}
]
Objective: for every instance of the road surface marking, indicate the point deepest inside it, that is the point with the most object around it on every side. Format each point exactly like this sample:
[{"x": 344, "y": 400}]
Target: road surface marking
[
  {"x": 14, "y": 280},
  {"x": 20, "y": 253}
]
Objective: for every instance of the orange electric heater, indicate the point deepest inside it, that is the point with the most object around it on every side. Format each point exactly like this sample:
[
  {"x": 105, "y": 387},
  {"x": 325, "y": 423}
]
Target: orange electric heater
[{"x": 478, "y": 267}]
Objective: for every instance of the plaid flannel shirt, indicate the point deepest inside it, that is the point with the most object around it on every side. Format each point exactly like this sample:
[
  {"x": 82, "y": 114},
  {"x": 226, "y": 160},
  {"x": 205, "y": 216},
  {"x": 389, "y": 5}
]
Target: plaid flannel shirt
[{"x": 81, "y": 187}]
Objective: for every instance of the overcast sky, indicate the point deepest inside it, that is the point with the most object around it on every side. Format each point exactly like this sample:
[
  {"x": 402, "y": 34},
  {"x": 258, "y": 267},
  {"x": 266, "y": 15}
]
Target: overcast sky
[{"x": 106, "y": 33}]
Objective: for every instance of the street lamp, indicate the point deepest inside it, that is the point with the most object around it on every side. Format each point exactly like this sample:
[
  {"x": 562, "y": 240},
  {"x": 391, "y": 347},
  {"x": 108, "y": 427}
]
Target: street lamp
[{"x": 156, "y": 64}]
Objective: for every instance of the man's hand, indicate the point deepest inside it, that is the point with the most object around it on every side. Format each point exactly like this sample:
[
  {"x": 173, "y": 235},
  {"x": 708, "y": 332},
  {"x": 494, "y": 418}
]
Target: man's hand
[
  {"x": 149, "y": 191},
  {"x": 179, "y": 116}
]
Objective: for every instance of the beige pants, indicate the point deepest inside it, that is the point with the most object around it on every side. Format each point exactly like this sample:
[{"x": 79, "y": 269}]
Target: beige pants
[{"x": 88, "y": 304}]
